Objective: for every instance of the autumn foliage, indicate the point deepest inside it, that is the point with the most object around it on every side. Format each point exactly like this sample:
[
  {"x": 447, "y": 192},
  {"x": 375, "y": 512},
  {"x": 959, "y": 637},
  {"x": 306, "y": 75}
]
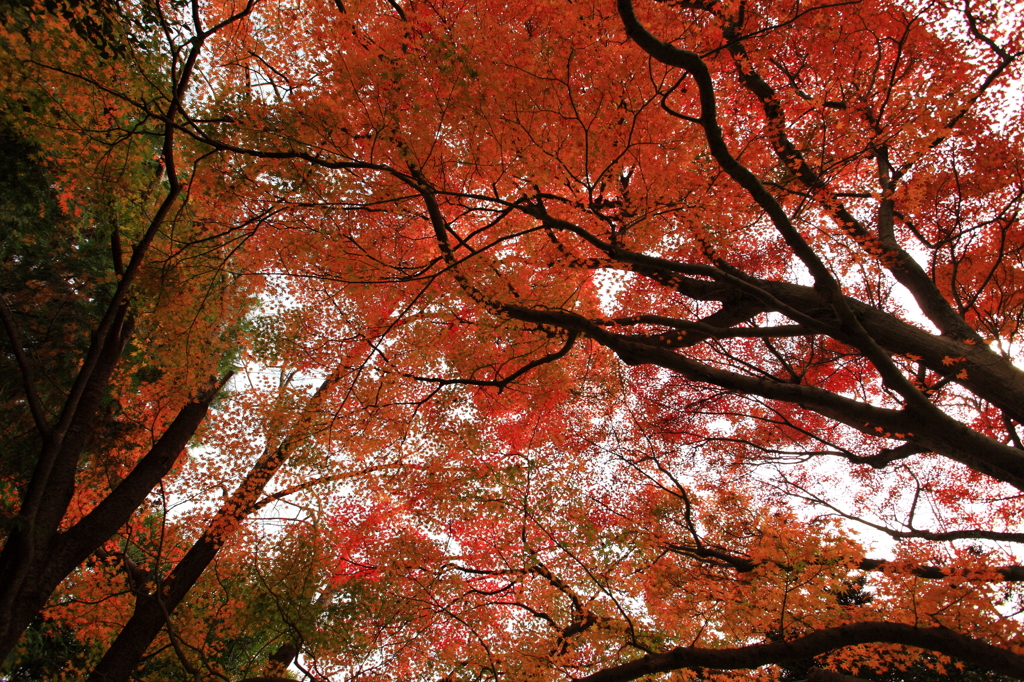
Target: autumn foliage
[{"x": 563, "y": 340}]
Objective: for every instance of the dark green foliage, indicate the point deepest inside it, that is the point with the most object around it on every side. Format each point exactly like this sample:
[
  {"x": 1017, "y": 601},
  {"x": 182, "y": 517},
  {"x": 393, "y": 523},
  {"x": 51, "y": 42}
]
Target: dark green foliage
[
  {"x": 54, "y": 275},
  {"x": 47, "y": 649}
]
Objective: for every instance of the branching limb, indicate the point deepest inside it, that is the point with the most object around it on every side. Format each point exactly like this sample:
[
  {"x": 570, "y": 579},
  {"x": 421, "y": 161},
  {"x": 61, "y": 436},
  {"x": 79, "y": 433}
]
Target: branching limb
[
  {"x": 942, "y": 434},
  {"x": 194, "y": 672},
  {"x": 911, "y": 532},
  {"x": 500, "y": 384},
  {"x": 887, "y": 456}
]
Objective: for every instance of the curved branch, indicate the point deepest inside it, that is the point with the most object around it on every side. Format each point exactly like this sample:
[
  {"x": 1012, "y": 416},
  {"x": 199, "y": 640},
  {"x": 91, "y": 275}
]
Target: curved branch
[
  {"x": 502, "y": 383},
  {"x": 939, "y": 639}
]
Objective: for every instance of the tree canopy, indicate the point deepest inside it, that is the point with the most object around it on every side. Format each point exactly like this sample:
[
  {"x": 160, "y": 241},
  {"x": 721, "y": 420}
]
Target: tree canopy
[{"x": 566, "y": 340}]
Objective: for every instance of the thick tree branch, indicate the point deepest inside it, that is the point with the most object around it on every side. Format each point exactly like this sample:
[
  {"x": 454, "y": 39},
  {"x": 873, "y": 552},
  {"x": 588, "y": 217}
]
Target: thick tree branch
[
  {"x": 942, "y": 435},
  {"x": 115, "y": 510},
  {"x": 938, "y": 639}
]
